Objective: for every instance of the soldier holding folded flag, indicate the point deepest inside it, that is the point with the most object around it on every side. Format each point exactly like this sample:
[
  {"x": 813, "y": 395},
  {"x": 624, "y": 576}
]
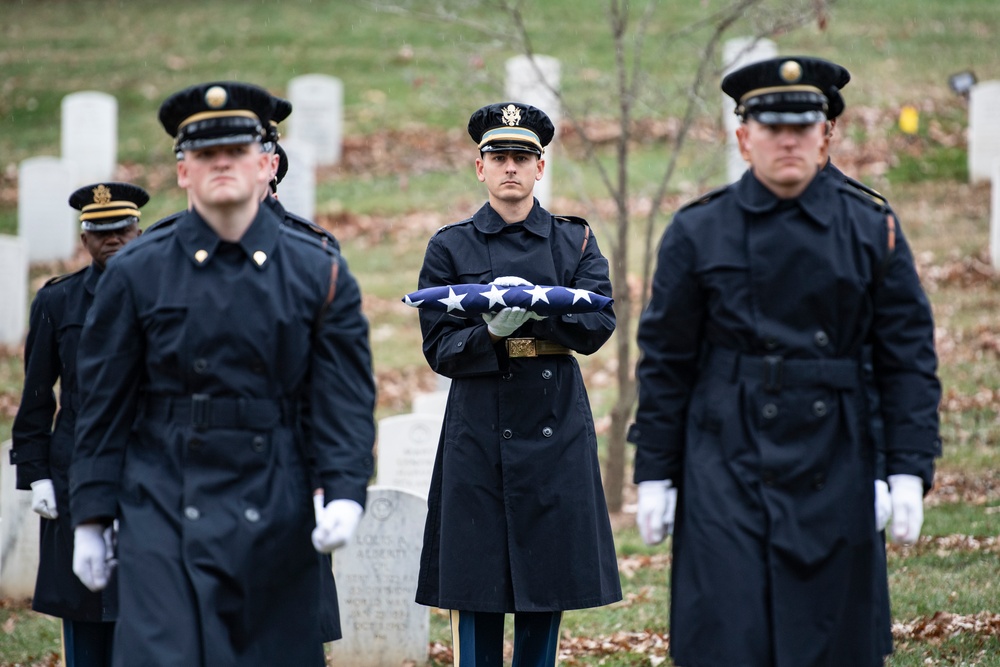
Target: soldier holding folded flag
[{"x": 517, "y": 521}]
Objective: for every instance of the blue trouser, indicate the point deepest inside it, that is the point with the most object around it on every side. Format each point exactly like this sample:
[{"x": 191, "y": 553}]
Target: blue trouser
[
  {"x": 87, "y": 644},
  {"x": 477, "y": 638}
]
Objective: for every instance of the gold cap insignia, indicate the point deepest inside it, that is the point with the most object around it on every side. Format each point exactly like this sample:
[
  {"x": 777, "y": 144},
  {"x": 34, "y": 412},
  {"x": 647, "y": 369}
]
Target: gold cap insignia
[
  {"x": 102, "y": 195},
  {"x": 260, "y": 257},
  {"x": 201, "y": 255},
  {"x": 511, "y": 115},
  {"x": 790, "y": 71},
  {"x": 216, "y": 97}
]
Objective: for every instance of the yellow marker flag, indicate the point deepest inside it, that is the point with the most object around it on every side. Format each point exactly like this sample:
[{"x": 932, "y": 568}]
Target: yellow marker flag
[{"x": 909, "y": 119}]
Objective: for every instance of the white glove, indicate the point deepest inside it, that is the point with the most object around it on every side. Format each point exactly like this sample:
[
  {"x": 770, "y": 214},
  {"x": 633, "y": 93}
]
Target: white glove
[
  {"x": 883, "y": 505},
  {"x": 655, "y": 516},
  {"x": 90, "y": 556},
  {"x": 907, "y": 493},
  {"x": 335, "y": 524},
  {"x": 509, "y": 281},
  {"x": 43, "y": 499},
  {"x": 505, "y": 322}
]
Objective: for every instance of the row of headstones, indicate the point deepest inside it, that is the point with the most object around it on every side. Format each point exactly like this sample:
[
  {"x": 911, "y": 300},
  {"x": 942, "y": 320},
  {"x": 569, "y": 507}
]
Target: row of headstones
[
  {"x": 376, "y": 573},
  {"x": 47, "y": 226}
]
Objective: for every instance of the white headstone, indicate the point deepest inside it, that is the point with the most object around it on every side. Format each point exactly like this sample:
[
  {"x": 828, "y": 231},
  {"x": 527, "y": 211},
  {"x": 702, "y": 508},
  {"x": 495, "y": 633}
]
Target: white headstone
[
  {"x": 407, "y": 445},
  {"x": 537, "y": 83},
  {"x": 14, "y": 295},
  {"x": 432, "y": 402},
  {"x": 737, "y": 53},
  {"x": 984, "y": 129},
  {"x": 90, "y": 136},
  {"x": 18, "y": 535},
  {"x": 317, "y": 115},
  {"x": 995, "y": 215},
  {"x": 376, "y": 576},
  {"x": 297, "y": 190},
  {"x": 44, "y": 217}
]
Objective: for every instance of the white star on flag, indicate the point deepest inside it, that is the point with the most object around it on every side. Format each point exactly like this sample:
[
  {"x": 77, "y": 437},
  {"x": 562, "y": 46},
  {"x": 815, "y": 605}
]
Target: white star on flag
[
  {"x": 580, "y": 294},
  {"x": 410, "y": 302},
  {"x": 495, "y": 296},
  {"x": 454, "y": 301},
  {"x": 538, "y": 294}
]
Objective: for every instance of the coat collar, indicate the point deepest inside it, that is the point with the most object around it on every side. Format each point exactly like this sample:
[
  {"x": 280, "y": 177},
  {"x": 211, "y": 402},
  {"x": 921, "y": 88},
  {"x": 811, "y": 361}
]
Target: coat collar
[
  {"x": 200, "y": 242},
  {"x": 753, "y": 197},
  {"x": 538, "y": 222}
]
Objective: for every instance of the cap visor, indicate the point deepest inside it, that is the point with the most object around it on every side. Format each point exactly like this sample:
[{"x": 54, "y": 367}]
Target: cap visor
[
  {"x": 509, "y": 146},
  {"x": 227, "y": 140},
  {"x": 108, "y": 226},
  {"x": 788, "y": 117}
]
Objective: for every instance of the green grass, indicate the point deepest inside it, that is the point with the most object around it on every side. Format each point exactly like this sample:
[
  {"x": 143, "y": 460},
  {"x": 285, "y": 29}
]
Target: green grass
[{"x": 899, "y": 52}]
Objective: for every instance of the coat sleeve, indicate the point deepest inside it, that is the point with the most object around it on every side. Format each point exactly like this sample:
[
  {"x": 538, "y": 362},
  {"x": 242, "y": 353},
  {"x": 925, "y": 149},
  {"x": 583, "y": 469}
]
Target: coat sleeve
[
  {"x": 905, "y": 367},
  {"x": 583, "y": 332},
  {"x": 669, "y": 337},
  {"x": 342, "y": 393},
  {"x": 453, "y": 346},
  {"x": 32, "y": 429},
  {"x": 109, "y": 366}
]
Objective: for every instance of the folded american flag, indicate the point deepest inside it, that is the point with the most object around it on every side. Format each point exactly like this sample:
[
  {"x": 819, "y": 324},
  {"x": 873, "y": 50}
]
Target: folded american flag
[{"x": 475, "y": 299}]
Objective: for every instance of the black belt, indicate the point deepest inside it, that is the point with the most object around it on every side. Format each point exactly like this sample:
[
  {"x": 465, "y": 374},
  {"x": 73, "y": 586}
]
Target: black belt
[
  {"x": 775, "y": 372},
  {"x": 204, "y": 411}
]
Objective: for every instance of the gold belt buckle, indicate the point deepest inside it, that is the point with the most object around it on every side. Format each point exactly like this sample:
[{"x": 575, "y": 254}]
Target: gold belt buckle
[{"x": 521, "y": 347}]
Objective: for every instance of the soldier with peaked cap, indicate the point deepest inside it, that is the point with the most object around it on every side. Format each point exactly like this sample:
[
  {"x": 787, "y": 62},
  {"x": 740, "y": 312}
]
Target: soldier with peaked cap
[
  {"x": 517, "y": 521},
  {"x": 231, "y": 331},
  {"x": 753, "y": 409},
  {"x": 109, "y": 217}
]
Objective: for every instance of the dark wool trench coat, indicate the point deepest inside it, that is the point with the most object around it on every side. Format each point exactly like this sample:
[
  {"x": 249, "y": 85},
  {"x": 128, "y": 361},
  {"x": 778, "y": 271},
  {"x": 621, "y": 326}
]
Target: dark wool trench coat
[
  {"x": 42, "y": 450},
  {"x": 517, "y": 519},
  {"x": 751, "y": 400},
  {"x": 197, "y": 356}
]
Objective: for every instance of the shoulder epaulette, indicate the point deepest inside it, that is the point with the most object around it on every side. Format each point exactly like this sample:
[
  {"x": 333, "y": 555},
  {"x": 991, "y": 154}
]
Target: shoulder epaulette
[
  {"x": 310, "y": 237},
  {"x": 705, "y": 198},
  {"x": 163, "y": 223},
  {"x": 865, "y": 193},
  {"x": 310, "y": 227},
  {"x": 453, "y": 224},
  {"x": 572, "y": 218},
  {"x": 58, "y": 279}
]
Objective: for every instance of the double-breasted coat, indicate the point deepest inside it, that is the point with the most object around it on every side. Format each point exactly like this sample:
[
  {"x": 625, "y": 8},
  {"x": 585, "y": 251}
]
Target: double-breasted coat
[
  {"x": 42, "y": 449},
  {"x": 517, "y": 519},
  {"x": 751, "y": 399},
  {"x": 195, "y": 358}
]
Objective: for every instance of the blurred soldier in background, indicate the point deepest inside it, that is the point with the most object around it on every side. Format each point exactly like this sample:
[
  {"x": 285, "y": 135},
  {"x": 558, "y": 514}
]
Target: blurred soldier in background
[{"x": 109, "y": 219}]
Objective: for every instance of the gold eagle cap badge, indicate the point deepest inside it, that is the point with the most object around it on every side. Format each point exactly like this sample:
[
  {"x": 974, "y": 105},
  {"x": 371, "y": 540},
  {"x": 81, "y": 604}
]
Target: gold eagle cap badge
[
  {"x": 216, "y": 97},
  {"x": 102, "y": 195},
  {"x": 511, "y": 115},
  {"x": 790, "y": 71}
]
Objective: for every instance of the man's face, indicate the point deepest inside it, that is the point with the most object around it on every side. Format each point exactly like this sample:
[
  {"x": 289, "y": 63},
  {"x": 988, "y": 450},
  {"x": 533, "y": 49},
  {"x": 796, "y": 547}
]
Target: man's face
[
  {"x": 783, "y": 157},
  {"x": 103, "y": 245},
  {"x": 224, "y": 176},
  {"x": 509, "y": 175}
]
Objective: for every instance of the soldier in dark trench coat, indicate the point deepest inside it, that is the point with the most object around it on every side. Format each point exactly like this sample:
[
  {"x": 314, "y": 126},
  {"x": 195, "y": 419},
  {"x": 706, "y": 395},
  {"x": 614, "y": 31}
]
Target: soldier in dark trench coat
[
  {"x": 517, "y": 521},
  {"x": 752, "y": 400},
  {"x": 41, "y": 449},
  {"x": 193, "y": 400}
]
